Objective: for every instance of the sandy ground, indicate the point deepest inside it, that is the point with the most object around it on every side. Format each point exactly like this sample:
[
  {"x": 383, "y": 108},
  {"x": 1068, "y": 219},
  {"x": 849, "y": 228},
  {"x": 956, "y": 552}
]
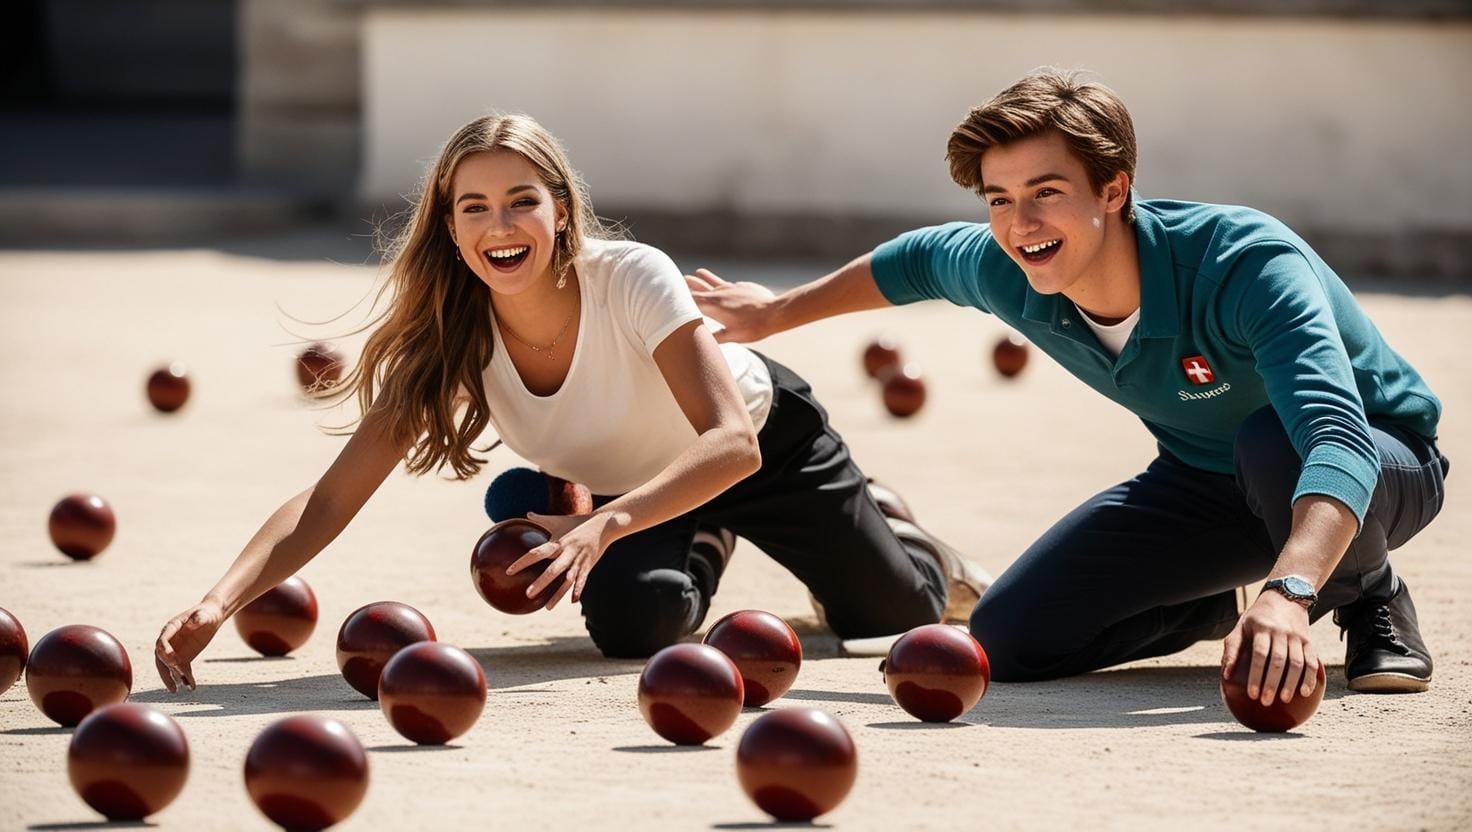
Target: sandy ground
[{"x": 988, "y": 465}]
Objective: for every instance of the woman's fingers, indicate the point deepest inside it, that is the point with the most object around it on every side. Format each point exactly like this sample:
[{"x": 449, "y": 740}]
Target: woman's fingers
[{"x": 541, "y": 553}]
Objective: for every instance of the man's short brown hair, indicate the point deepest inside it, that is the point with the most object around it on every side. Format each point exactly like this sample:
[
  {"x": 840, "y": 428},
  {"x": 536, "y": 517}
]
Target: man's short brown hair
[{"x": 1090, "y": 116}]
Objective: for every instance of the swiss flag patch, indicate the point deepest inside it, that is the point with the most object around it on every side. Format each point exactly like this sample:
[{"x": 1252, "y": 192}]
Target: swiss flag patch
[{"x": 1197, "y": 370}]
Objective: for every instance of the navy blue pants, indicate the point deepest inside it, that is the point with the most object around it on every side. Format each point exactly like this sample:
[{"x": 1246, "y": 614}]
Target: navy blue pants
[{"x": 1151, "y": 566}]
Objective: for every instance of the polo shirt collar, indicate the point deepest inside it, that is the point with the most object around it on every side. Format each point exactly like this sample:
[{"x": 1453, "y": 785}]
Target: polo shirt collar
[{"x": 1159, "y": 314}]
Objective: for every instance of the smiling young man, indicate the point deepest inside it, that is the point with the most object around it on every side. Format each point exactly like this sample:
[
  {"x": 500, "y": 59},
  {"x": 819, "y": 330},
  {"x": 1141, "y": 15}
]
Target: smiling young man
[{"x": 1294, "y": 444}]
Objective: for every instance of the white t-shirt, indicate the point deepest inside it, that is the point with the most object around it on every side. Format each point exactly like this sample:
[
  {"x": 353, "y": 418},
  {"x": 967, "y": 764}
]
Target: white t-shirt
[
  {"x": 614, "y": 424},
  {"x": 1112, "y": 337}
]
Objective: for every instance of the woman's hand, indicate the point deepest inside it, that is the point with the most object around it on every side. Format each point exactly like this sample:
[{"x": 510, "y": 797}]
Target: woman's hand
[
  {"x": 184, "y": 638},
  {"x": 578, "y": 541}
]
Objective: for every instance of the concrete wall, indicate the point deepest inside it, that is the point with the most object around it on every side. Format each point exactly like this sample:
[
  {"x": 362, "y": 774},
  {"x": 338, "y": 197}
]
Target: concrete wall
[
  {"x": 1341, "y": 127},
  {"x": 299, "y": 97}
]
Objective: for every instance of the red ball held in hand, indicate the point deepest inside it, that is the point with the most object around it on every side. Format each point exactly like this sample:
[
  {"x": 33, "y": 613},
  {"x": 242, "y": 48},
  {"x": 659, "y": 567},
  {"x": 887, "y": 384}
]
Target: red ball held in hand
[
  {"x": 502, "y": 545},
  {"x": 1275, "y": 718}
]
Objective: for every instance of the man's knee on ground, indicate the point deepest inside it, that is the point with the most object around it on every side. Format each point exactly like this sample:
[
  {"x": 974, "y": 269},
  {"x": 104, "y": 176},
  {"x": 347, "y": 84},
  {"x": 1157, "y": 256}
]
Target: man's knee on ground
[
  {"x": 641, "y": 615},
  {"x": 1012, "y": 642}
]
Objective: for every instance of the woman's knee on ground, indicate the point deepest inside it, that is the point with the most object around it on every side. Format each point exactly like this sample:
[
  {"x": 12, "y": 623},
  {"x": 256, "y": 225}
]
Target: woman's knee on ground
[{"x": 638, "y": 615}]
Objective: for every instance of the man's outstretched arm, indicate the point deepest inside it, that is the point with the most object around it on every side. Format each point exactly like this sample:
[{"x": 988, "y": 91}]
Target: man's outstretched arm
[{"x": 750, "y": 312}]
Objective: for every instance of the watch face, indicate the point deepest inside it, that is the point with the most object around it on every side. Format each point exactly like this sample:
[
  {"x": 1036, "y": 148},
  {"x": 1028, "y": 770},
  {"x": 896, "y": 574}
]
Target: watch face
[{"x": 1298, "y": 586}]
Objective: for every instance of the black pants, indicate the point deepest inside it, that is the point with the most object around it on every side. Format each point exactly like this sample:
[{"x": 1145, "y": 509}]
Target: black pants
[
  {"x": 807, "y": 507},
  {"x": 1151, "y": 566}
]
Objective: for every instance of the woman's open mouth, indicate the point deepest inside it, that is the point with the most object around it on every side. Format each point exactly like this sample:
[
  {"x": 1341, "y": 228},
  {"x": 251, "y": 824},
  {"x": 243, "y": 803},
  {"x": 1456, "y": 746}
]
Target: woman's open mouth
[
  {"x": 1037, "y": 254},
  {"x": 507, "y": 259}
]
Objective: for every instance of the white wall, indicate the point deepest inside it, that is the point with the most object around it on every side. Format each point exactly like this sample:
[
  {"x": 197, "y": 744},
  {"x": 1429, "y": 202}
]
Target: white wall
[{"x": 1344, "y": 123}]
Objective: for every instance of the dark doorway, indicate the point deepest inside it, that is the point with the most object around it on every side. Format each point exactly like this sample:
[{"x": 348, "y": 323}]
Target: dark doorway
[{"x": 106, "y": 93}]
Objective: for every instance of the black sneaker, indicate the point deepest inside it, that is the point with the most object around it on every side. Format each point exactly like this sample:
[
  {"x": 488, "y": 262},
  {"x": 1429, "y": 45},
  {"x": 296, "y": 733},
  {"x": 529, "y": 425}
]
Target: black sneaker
[{"x": 1385, "y": 653}]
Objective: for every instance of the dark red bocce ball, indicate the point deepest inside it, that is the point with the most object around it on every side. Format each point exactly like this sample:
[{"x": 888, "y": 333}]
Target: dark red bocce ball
[
  {"x": 128, "y": 761},
  {"x": 306, "y": 772},
  {"x": 432, "y": 692},
  {"x": 1009, "y": 356},
  {"x": 372, "y": 635},
  {"x": 13, "y": 649},
  {"x": 168, "y": 388},
  {"x": 689, "y": 693},
  {"x": 881, "y": 354},
  {"x": 76, "y": 669},
  {"x": 319, "y": 367},
  {"x": 937, "y": 672},
  {"x": 502, "y": 545},
  {"x": 766, "y": 652},
  {"x": 565, "y": 497},
  {"x": 280, "y": 620},
  {"x": 904, "y": 390},
  {"x": 81, "y": 525},
  {"x": 1277, "y": 717},
  {"x": 796, "y": 763}
]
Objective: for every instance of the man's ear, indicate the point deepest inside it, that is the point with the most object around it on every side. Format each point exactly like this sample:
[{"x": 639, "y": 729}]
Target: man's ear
[{"x": 1116, "y": 191}]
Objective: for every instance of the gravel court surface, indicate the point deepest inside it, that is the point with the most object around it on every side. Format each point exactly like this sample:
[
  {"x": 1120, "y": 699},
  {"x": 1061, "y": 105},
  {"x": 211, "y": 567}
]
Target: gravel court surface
[{"x": 987, "y": 465}]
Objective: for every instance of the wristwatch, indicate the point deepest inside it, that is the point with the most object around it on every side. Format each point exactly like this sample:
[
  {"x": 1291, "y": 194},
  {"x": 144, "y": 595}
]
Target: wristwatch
[{"x": 1295, "y": 588}]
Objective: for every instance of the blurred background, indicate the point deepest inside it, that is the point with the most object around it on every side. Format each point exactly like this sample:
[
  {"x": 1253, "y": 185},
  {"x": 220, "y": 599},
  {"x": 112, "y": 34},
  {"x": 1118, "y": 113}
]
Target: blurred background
[{"x": 759, "y": 129}]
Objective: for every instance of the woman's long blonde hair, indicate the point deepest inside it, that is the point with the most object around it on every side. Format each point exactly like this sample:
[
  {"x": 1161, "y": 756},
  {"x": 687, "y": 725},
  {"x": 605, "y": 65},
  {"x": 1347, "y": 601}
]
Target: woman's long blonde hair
[{"x": 421, "y": 368}]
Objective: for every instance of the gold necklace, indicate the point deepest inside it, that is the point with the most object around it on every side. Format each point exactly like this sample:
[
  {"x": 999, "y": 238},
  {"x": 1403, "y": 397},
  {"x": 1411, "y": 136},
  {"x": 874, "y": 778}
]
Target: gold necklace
[{"x": 550, "y": 348}]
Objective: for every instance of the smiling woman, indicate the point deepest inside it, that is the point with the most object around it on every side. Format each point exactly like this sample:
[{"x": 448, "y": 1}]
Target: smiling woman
[{"x": 511, "y": 308}]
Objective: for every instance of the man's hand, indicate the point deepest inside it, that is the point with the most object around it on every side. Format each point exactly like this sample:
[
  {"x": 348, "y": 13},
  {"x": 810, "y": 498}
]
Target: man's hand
[
  {"x": 742, "y": 309},
  {"x": 1275, "y": 631}
]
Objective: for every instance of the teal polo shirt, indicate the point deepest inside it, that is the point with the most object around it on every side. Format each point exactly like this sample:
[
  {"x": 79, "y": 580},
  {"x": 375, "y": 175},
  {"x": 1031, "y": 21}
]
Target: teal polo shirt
[{"x": 1236, "y": 312}]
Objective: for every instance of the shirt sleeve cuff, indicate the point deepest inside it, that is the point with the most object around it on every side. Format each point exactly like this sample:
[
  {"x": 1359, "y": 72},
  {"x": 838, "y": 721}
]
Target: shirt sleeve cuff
[{"x": 1331, "y": 481}]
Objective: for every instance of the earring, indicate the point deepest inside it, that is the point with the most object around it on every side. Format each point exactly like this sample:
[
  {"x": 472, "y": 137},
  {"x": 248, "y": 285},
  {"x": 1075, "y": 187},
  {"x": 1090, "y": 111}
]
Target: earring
[{"x": 457, "y": 255}]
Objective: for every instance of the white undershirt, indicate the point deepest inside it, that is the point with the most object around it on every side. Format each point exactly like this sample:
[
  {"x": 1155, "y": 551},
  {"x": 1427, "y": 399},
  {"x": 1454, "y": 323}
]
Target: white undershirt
[
  {"x": 614, "y": 424},
  {"x": 1112, "y": 336}
]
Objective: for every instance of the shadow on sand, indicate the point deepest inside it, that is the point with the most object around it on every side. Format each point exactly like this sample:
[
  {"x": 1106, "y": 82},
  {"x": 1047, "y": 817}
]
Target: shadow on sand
[
  {"x": 772, "y": 824},
  {"x": 1126, "y": 698},
  {"x": 94, "y": 824},
  {"x": 507, "y": 669}
]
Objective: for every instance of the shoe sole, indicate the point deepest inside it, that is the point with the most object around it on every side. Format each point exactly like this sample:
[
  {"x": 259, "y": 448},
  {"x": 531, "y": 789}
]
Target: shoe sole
[
  {"x": 958, "y": 607},
  {"x": 1389, "y": 683}
]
